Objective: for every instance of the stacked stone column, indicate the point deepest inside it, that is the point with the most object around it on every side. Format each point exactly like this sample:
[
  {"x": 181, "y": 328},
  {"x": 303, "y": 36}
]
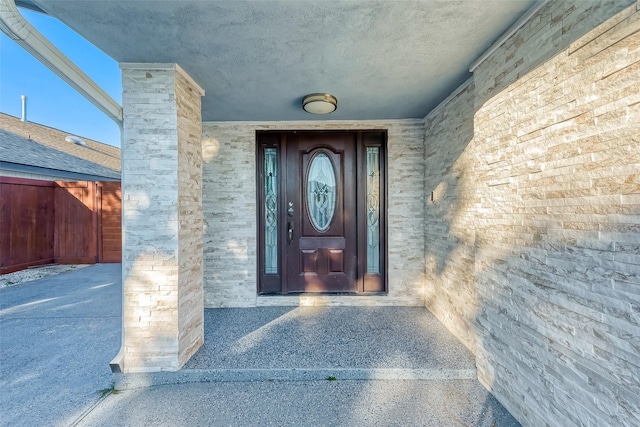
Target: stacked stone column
[{"x": 162, "y": 218}]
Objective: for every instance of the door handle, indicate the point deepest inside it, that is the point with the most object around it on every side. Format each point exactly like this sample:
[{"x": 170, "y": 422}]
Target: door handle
[{"x": 289, "y": 232}]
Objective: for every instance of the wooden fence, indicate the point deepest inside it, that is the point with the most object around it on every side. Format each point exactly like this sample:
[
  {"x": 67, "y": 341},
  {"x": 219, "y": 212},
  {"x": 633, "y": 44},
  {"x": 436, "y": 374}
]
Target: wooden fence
[{"x": 44, "y": 222}]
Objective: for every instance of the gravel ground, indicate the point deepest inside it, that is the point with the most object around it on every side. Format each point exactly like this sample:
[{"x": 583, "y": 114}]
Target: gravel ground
[{"x": 35, "y": 273}]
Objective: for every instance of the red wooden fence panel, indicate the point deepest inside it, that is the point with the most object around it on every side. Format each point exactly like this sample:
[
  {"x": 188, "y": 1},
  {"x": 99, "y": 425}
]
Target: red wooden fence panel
[
  {"x": 26, "y": 226},
  {"x": 45, "y": 222},
  {"x": 110, "y": 222},
  {"x": 75, "y": 239}
]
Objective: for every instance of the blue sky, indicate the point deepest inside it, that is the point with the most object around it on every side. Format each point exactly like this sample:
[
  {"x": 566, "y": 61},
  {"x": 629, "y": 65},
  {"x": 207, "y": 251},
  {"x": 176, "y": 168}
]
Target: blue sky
[{"x": 51, "y": 101}]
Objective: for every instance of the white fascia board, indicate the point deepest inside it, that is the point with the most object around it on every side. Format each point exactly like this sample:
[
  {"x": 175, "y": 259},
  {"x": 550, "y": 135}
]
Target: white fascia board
[{"x": 13, "y": 24}]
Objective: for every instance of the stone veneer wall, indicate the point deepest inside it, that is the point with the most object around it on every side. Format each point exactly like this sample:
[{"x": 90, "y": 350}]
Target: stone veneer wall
[
  {"x": 535, "y": 169},
  {"x": 190, "y": 231},
  {"x": 163, "y": 314},
  {"x": 229, "y": 202},
  {"x": 450, "y": 230}
]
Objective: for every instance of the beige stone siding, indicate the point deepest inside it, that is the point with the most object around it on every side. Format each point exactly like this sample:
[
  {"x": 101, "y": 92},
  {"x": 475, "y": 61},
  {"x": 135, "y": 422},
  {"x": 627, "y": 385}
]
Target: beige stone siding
[
  {"x": 450, "y": 215},
  {"x": 190, "y": 234},
  {"x": 540, "y": 193},
  {"x": 229, "y": 202},
  {"x": 162, "y": 218}
]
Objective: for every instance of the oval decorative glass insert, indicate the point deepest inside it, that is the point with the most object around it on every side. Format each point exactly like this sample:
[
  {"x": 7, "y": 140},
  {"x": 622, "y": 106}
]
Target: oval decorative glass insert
[{"x": 321, "y": 192}]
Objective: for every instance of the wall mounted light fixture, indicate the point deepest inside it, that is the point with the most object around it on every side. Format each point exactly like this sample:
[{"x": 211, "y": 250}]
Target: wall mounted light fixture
[{"x": 319, "y": 103}]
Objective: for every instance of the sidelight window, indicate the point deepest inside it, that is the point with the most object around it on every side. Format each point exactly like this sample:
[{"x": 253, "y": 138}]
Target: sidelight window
[
  {"x": 373, "y": 210},
  {"x": 270, "y": 211}
]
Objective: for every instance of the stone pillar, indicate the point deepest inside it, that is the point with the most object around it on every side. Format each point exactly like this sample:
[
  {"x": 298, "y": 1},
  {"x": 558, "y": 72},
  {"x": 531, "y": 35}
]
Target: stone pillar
[{"x": 163, "y": 309}]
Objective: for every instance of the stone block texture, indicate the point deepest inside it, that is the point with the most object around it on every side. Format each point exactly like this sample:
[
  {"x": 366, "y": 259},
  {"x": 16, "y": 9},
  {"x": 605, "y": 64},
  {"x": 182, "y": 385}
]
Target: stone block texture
[
  {"x": 229, "y": 203},
  {"x": 162, "y": 221},
  {"x": 450, "y": 215},
  {"x": 532, "y": 238}
]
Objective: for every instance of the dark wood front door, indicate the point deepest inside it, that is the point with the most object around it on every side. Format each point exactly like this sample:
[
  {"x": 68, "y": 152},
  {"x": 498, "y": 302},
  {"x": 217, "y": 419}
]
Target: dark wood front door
[
  {"x": 318, "y": 193},
  {"x": 321, "y": 213}
]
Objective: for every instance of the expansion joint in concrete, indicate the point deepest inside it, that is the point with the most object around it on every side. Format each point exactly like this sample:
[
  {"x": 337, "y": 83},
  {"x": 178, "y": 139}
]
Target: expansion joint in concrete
[{"x": 141, "y": 380}]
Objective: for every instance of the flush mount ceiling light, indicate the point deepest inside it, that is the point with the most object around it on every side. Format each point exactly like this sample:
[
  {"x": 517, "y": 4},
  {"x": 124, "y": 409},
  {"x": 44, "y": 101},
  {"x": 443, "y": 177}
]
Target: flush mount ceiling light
[{"x": 319, "y": 103}]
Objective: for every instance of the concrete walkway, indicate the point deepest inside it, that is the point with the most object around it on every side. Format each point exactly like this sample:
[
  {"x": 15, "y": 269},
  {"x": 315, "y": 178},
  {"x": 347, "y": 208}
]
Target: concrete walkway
[
  {"x": 307, "y": 366},
  {"x": 305, "y": 403},
  {"x": 57, "y": 337}
]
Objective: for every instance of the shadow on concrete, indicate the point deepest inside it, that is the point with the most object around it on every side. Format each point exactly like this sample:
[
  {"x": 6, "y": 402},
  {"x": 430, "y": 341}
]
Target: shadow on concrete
[{"x": 57, "y": 336}]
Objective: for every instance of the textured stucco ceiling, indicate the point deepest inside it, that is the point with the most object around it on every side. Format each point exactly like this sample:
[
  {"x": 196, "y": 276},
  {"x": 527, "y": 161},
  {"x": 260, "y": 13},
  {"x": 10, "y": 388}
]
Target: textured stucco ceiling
[{"x": 257, "y": 59}]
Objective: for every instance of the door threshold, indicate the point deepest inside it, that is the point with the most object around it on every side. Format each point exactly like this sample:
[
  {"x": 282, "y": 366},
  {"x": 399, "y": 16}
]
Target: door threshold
[
  {"x": 324, "y": 294},
  {"x": 315, "y": 299}
]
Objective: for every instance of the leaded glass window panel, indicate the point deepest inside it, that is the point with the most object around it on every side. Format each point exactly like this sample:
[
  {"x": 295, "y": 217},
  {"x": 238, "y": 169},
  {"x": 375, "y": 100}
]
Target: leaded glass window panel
[
  {"x": 321, "y": 192},
  {"x": 270, "y": 211},
  {"x": 373, "y": 210}
]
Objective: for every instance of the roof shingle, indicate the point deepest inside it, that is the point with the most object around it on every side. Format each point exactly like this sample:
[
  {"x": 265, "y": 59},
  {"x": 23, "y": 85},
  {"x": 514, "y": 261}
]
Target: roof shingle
[{"x": 94, "y": 151}]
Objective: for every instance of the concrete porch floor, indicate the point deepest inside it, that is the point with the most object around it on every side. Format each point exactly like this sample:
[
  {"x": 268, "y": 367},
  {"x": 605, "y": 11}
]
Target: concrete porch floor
[
  {"x": 314, "y": 366},
  {"x": 340, "y": 338}
]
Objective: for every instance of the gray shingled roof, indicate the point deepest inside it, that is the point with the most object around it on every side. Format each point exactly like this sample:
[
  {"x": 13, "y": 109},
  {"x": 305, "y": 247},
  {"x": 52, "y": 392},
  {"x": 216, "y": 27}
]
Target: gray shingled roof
[
  {"x": 96, "y": 152},
  {"x": 18, "y": 151},
  {"x": 33, "y": 147}
]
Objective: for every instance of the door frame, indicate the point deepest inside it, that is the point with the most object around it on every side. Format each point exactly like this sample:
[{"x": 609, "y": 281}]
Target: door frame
[{"x": 276, "y": 283}]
